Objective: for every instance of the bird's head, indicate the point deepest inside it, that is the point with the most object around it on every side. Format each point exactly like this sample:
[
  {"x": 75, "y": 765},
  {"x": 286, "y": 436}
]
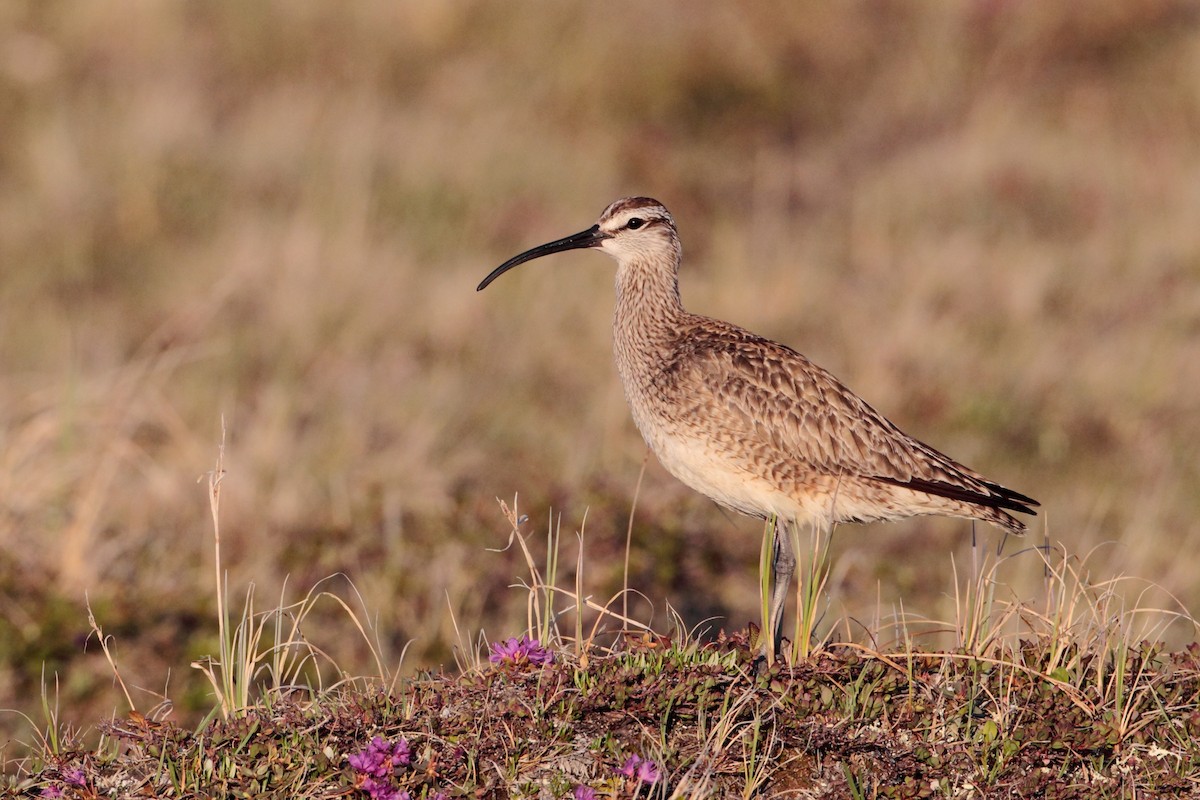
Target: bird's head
[{"x": 632, "y": 228}]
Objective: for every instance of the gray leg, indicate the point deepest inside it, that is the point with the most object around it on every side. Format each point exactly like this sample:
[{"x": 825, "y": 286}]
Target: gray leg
[{"x": 783, "y": 565}]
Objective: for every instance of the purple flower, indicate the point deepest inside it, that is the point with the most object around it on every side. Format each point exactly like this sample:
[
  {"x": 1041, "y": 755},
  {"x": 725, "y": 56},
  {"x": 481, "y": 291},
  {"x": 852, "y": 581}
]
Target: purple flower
[
  {"x": 376, "y": 766},
  {"x": 584, "y": 793},
  {"x": 648, "y": 772},
  {"x": 629, "y": 768},
  {"x": 53, "y": 790},
  {"x": 519, "y": 650},
  {"x": 643, "y": 769},
  {"x": 383, "y": 790},
  {"x": 381, "y": 757},
  {"x": 75, "y": 777},
  {"x": 402, "y": 753}
]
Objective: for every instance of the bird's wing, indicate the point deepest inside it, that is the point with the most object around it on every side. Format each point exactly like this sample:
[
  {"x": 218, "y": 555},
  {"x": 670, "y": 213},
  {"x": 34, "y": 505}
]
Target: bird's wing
[{"x": 777, "y": 397}]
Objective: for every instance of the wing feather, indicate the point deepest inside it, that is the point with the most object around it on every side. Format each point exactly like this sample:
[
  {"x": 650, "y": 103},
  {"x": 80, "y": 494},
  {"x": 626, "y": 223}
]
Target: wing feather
[{"x": 768, "y": 393}]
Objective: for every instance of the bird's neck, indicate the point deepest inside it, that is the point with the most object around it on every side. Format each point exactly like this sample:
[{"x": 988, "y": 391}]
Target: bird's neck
[{"x": 648, "y": 313}]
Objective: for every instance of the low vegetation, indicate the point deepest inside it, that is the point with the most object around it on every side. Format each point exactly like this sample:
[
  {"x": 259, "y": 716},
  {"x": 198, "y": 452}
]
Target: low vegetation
[
  {"x": 1058, "y": 701},
  {"x": 846, "y": 723}
]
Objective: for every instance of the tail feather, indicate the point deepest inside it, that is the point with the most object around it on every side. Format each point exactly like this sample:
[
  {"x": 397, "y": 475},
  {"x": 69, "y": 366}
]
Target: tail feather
[{"x": 993, "y": 503}]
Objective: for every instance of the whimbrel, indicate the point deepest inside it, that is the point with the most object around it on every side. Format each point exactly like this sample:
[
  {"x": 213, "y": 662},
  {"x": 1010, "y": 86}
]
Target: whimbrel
[{"x": 753, "y": 424}]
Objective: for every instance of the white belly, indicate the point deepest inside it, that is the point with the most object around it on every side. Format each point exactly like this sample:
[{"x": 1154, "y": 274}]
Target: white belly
[{"x": 732, "y": 484}]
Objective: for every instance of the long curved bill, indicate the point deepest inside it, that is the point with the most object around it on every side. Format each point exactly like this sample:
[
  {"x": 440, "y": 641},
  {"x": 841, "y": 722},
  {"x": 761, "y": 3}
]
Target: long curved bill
[{"x": 592, "y": 237}]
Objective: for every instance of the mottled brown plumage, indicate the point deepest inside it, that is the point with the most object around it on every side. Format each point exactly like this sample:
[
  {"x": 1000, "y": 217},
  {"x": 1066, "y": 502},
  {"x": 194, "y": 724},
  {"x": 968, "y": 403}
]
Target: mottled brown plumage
[{"x": 753, "y": 424}]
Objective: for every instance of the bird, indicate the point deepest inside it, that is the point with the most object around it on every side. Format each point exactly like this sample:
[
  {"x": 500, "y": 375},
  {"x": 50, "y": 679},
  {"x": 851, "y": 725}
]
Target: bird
[{"x": 753, "y": 424}]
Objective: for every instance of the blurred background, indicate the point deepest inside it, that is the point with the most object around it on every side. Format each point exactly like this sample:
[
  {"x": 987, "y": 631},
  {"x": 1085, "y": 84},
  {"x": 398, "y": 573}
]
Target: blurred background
[{"x": 983, "y": 217}]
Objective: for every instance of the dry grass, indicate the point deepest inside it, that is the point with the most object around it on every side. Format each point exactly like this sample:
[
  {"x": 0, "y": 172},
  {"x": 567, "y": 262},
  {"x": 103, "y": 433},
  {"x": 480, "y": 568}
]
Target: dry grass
[{"x": 983, "y": 219}]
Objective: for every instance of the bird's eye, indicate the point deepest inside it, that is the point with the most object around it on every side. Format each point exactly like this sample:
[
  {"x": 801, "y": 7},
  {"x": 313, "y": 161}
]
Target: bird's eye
[{"x": 635, "y": 223}]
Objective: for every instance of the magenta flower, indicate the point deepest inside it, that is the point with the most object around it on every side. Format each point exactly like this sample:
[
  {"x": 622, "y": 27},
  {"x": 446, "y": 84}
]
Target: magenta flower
[
  {"x": 383, "y": 790},
  {"x": 648, "y": 772},
  {"x": 75, "y": 777},
  {"x": 643, "y": 769},
  {"x": 516, "y": 651},
  {"x": 53, "y": 790},
  {"x": 381, "y": 756},
  {"x": 584, "y": 793},
  {"x": 377, "y": 764}
]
